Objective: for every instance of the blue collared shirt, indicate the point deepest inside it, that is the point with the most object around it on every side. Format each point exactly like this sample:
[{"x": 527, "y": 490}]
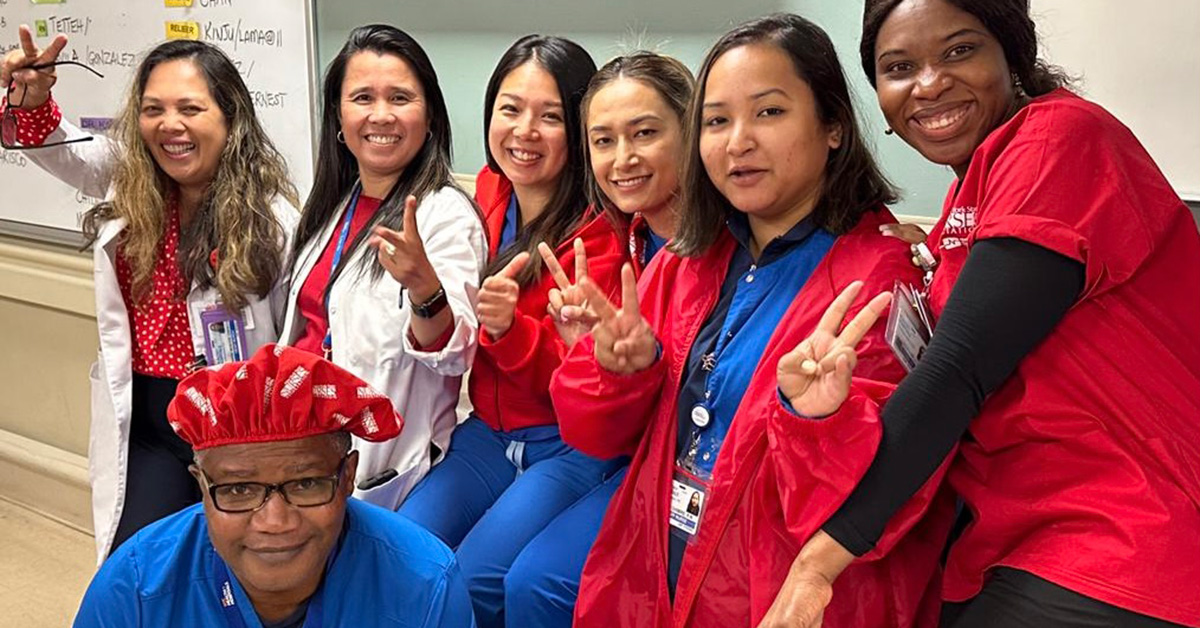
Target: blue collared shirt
[{"x": 753, "y": 299}]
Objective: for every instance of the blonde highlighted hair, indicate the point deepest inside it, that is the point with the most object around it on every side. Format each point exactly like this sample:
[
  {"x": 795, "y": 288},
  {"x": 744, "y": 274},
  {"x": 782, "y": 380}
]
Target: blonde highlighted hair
[{"x": 235, "y": 220}]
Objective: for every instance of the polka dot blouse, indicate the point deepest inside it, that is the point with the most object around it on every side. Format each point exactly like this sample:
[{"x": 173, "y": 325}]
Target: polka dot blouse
[
  {"x": 35, "y": 125},
  {"x": 162, "y": 339}
]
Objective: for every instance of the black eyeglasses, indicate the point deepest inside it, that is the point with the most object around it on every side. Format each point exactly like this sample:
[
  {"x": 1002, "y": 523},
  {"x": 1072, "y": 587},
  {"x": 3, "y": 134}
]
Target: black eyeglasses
[
  {"x": 238, "y": 497},
  {"x": 9, "y": 122}
]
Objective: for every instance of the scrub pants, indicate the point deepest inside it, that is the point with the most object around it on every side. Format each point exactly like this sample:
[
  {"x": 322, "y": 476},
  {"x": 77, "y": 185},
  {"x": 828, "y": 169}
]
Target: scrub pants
[
  {"x": 543, "y": 583},
  {"x": 157, "y": 481},
  {"x": 492, "y": 494},
  {"x": 1018, "y": 599}
]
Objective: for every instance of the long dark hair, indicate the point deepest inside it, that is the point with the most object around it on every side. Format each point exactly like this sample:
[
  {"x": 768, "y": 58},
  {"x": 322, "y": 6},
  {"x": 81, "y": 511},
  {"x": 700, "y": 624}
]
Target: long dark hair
[
  {"x": 667, "y": 76},
  {"x": 572, "y": 67},
  {"x": 235, "y": 220},
  {"x": 853, "y": 182},
  {"x": 1007, "y": 20},
  {"x": 337, "y": 169}
]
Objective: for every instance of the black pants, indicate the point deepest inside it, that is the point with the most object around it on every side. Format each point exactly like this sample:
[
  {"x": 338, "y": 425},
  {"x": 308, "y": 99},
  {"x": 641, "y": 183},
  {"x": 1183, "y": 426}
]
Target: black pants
[
  {"x": 1018, "y": 599},
  {"x": 157, "y": 481}
]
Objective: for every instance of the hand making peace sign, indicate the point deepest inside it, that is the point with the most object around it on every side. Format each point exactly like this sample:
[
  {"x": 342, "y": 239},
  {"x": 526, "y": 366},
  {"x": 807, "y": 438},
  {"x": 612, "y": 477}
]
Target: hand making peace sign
[
  {"x": 815, "y": 376},
  {"x": 625, "y": 343},
  {"x": 35, "y": 84},
  {"x": 402, "y": 254},
  {"x": 568, "y": 305}
]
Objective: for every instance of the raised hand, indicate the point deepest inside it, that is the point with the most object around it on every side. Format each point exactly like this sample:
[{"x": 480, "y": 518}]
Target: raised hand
[
  {"x": 402, "y": 254},
  {"x": 568, "y": 305},
  {"x": 625, "y": 343},
  {"x": 815, "y": 376},
  {"x": 498, "y": 297},
  {"x": 31, "y": 87}
]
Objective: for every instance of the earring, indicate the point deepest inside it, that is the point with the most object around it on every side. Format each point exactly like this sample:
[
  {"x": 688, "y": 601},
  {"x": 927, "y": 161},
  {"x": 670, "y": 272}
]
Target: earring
[
  {"x": 341, "y": 137},
  {"x": 1018, "y": 88},
  {"x": 889, "y": 131}
]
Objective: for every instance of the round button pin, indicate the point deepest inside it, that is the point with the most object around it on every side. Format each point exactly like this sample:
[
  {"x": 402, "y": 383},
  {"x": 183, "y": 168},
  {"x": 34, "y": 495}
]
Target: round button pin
[{"x": 700, "y": 416}]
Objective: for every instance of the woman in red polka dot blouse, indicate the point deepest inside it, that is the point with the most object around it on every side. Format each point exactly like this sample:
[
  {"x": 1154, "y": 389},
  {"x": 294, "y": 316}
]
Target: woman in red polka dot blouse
[{"x": 189, "y": 249}]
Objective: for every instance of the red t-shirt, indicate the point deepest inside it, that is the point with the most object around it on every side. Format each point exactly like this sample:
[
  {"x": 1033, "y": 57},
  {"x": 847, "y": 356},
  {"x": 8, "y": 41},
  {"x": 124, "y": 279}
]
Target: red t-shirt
[
  {"x": 310, "y": 303},
  {"x": 1084, "y": 466}
]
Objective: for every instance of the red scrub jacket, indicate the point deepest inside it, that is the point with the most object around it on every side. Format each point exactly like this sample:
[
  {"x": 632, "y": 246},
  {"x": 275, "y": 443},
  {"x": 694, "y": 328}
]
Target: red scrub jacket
[
  {"x": 510, "y": 379},
  {"x": 778, "y": 478}
]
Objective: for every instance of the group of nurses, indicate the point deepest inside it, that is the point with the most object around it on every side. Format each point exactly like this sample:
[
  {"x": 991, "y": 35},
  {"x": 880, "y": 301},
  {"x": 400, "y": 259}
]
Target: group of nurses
[{"x": 668, "y": 295}]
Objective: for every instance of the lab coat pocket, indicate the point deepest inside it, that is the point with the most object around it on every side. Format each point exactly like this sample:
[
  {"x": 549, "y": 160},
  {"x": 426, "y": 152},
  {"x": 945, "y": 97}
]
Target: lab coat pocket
[{"x": 391, "y": 493}]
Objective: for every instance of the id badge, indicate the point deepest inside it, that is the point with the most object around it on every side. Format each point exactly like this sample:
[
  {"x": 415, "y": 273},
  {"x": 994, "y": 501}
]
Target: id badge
[
  {"x": 224, "y": 336},
  {"x": 688, "y": 495},
  {"x": 909, "y": 325}
]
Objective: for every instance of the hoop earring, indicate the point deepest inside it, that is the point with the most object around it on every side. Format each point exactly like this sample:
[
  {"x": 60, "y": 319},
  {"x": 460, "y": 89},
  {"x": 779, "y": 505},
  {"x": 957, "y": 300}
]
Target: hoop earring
[
  {"x": 889, "y": 131},
  {"x": 341, "y": 137}
]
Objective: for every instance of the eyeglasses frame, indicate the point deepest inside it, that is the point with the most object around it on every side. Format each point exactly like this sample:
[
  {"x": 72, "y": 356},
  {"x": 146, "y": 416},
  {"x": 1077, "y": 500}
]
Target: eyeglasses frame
[
  {"x": 11, "y": 118},
  {"x": 336, "y": 478}
]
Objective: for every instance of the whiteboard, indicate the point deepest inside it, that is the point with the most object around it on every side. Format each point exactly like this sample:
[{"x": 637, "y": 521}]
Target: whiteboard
[
  {"x": 270, "y": 41},
  {"x": 1141, "y": 61}
]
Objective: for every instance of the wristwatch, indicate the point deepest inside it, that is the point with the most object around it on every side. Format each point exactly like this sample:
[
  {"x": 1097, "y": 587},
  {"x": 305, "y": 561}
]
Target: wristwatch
[{"x": 430, "y": 308}]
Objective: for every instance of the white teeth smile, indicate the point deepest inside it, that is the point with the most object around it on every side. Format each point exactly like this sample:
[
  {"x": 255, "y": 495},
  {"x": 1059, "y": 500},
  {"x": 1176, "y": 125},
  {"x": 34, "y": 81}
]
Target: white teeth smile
[
  {"x": 383, "y": 139},
  {"x": 628, "y": 183},
  {"x": 942, "y": 120},
  {"x": 523, "y": 155},
  {"x": 179, "y": 149}
]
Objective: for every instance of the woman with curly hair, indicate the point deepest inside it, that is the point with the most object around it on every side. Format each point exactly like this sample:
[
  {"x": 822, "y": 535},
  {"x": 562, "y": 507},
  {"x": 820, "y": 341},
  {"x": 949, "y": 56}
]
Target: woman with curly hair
[{"x": 189, "y": 252}]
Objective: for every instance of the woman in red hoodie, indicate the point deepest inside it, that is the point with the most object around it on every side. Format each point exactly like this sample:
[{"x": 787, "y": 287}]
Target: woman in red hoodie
[
  {"x": 507, "y": 472},
  {"x": 634, "y": 113},
  {"x": 700, "y": 379}
]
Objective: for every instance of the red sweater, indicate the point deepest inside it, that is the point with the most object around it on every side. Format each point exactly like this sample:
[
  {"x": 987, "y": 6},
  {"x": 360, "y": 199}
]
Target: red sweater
[
  {"x": 779, "y": 476},
  {"x": 510, "y": 378}
]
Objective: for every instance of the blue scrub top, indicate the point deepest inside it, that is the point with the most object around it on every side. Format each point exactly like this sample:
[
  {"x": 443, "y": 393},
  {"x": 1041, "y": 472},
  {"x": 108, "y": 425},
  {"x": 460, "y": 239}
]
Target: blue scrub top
[
  {"x": 508, "y": 232},
  {"x": 388, "y": 571},
  {"x": 753, "y": 299}
]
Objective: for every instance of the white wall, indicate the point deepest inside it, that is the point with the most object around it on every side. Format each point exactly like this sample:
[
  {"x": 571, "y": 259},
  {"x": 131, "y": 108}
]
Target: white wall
[
  {"x": 465, "y": 38},
  {"x": 1141, "y": 61}
]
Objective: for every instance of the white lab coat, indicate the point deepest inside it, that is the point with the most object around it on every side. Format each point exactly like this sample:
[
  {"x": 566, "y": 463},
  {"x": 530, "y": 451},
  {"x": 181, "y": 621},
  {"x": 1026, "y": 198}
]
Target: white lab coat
[
  {"x": 369, "y": 327},
  {"x": 88, "y": 167}
]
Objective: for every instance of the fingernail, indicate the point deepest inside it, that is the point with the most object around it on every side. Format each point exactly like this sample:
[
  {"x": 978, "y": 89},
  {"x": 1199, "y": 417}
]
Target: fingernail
[{"x": 808, "y": 366}]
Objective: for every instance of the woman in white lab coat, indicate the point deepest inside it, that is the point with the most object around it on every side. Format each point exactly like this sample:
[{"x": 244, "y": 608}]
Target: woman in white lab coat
[
  {"x": 189, "y": 246},
  {"x": 389, "y": 252}
]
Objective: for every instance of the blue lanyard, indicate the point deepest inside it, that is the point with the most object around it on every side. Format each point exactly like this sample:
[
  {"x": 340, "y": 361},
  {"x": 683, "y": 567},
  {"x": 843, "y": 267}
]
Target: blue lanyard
[
  {"x": 327, "y": 344},
  {"x": 229, "y": 605}
]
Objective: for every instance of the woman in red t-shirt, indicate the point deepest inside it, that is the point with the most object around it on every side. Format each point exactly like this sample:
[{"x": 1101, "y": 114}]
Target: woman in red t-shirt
[{"x": 1065, "y": 357}]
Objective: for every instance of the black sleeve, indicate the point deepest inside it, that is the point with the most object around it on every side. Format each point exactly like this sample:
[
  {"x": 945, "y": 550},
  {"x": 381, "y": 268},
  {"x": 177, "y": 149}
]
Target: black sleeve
[{"x": 1007, "y": 298}]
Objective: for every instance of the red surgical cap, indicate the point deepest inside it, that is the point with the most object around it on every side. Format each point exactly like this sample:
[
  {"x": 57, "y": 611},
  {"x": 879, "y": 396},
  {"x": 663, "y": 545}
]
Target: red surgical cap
[{"x": 280, "y": 393}]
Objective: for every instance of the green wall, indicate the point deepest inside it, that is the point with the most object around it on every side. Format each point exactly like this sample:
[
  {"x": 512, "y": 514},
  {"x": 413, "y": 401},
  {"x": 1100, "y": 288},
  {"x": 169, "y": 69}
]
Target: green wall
[{"x": 465, "y": 38}]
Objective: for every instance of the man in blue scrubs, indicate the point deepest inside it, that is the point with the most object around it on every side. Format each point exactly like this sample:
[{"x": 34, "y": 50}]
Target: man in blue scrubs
[{"x": 278, "y": 542}]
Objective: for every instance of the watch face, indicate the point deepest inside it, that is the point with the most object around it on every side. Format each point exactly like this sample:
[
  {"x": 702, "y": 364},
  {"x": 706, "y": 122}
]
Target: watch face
[{"x": 430, "y": 308}]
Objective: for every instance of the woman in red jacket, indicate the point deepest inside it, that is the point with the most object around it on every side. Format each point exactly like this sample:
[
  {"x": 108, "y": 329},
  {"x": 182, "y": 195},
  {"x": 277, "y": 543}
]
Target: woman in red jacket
[
  {"x": 698, "y": 376},
  {"x": 507, "y": 472},
  {"x": 634, "y": 113},
  {"x": 1065, "y": 363}
]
